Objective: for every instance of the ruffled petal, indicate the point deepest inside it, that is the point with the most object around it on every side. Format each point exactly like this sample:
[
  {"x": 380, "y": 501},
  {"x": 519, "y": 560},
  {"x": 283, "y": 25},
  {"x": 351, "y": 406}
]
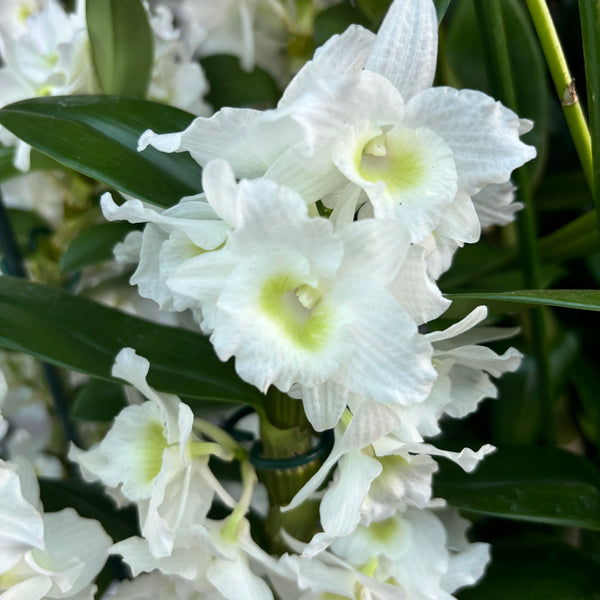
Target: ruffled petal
[{"x": 483, "y": 134}]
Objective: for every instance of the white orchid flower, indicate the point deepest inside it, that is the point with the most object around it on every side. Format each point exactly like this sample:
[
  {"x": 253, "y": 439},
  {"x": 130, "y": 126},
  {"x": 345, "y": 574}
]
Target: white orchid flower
[
  {"x": 413, "y": 551},
  {"x": 151, "y": 456},
  {"x": 361, "y": 121},
  {"x": 44, "y": 555},
  {"x": 376, "y": 474},
  {"x": 298, "y": 304}
]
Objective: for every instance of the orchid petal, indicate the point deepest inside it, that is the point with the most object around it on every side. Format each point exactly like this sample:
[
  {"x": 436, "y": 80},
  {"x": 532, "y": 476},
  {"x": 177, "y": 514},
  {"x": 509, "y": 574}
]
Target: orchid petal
[{"x": 405, "y": 50}]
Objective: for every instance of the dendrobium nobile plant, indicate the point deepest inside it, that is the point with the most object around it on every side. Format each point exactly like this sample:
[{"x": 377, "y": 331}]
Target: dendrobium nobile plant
[{"x": 239, "y": 249}]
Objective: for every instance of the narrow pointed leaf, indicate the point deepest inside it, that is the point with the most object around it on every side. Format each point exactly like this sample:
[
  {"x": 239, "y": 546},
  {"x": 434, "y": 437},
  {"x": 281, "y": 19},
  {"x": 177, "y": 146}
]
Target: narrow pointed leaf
[
  {"x": 98, "y": 135},
  {"x": 544, "y": 485},
  {"x": 85, "y": 336},
  {"x": 121, "y": 42},
  {"x": 581, "y": 299}
]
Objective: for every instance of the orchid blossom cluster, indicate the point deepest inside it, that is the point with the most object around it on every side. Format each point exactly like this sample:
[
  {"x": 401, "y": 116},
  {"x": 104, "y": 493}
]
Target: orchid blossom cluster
[{"x": 311, "y": 258}]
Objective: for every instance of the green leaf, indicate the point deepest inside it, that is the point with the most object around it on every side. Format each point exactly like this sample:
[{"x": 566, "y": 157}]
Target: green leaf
[
  {"x": 544, "y": 485},
  {"x": 463, "y": 51},
  {"x": 230, "y": 85},
  {"x": 335, "y": 20},
  {"x": 537, "y": 568},
  {"x": 581, "y": 299},
  {"x": 94, "y": 245},
  {"x": 98, "y": 400},
  {"x": 122, "y": 45},
  {"x": 85, "y": 336},
  {"x": 98, "y": 135},
  {"x": 91, "y": 502}
]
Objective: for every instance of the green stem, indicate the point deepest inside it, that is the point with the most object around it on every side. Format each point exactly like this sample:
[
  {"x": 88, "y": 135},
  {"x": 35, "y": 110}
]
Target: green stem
[
  {"x": 286, "y": 434},
  {"x": 489, "y": 15},
  {"x": 564, "y": 83},
  {"x": 590, "y": 32}
]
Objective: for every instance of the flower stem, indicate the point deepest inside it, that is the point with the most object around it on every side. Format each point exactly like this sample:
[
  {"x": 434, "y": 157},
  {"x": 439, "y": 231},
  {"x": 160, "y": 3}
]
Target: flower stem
[
  {"x": 564, "y": 83},
  {"x": 286, "y": 434},
  {"x": 489, "y": 15}
]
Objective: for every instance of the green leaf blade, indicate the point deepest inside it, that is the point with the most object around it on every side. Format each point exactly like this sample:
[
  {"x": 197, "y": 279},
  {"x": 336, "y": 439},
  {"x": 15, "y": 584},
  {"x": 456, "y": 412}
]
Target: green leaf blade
[
  {"x": 85, "y": 336},
  {"x": 543, "y": 485},
  {"x": 578, "y": 299},
  {"x": 122, "y": 45},
  {"x": 98, "y": 136}
]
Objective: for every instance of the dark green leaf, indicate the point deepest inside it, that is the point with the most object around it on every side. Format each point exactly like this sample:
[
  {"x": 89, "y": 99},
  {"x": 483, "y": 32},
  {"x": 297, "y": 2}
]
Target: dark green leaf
[
  {"x": 94, "y": 245},
  {"x": 537, "y": 569},
  {"x": 463, "y": 52},
  {"x": 230, "y": 85},
  {"x": 85, "y": 336},
  {"x": 122, "y": 45},
  {"x": 98, "y": 400},
  {"x": 91, "y": 502},
  {"x": 544, "y": 485},
  {"x": 98, "y": 135},
  {"x": 335, "y": 20},
  {"x": 581, "y": 299}
]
